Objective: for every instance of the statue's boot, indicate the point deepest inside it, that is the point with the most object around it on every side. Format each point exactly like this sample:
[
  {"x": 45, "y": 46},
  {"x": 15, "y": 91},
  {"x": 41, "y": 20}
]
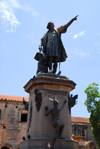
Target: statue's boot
[{"x": 51, "y": 71}]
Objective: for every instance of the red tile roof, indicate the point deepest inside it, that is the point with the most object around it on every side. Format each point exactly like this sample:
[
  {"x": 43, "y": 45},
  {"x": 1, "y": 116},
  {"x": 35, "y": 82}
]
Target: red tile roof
[
  {"x": 79, "y": 120},
  {"x": 17, "y": 98}
]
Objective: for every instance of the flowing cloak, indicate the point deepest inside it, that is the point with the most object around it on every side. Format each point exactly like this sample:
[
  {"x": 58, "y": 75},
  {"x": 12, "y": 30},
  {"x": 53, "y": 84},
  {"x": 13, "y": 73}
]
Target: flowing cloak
[{"x": 63, "y": 54}]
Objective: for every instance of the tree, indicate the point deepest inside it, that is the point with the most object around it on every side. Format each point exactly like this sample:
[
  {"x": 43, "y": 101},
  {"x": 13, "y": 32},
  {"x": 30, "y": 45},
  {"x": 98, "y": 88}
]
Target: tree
[{"x": 93, "y": 106}]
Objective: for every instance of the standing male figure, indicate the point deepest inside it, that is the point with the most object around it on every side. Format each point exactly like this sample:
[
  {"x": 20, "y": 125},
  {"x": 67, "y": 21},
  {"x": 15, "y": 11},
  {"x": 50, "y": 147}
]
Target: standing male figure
[
  {"x": 52, "y": 44},
  {"x": 56, "y": 122}
]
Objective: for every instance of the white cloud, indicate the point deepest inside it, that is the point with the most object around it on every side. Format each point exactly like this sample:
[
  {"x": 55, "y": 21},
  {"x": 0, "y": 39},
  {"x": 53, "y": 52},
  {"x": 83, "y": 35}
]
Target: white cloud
[
  {"x": 33, "y": 38},
  {"x": 97, "y": 44},
  {"x": 14, "y": 3},
  {"x": 35, "y": 13},
  {"x": 79, "y": 34},
  {"x": 75, "y": 36},
  {"x": 30, "y": 9},
  {"x": 82, "y": 54},
  {"x": 98, "y": 34},
  {"x": 7, "y": 14},
  {"x": 79, "y": 53}
]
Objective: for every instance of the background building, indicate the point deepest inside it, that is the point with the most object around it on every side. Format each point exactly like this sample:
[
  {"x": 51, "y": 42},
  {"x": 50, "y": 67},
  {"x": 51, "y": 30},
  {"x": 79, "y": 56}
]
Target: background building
[
  {"x": 13, "y": 121},
  {"x": 81, "y": 127},
  {"x": 13, "y": 124},
  {"x": 81, "y": 132}
]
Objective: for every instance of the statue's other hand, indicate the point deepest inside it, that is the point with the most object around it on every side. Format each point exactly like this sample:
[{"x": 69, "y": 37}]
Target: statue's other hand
[
  {"x": 40, "y": 47},
  {"x": 65, "y": 101},
  {"x": 46, "y": 108}
]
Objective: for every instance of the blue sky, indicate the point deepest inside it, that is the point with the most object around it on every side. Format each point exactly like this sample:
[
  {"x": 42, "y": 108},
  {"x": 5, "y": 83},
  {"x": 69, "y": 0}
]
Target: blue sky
[{"x": 23, "y": 23}]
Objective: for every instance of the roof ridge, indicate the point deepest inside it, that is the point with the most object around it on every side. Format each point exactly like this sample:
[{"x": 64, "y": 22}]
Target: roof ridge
[
  {"x": 10, "y": 97},
  {"x": 79, "y": 117}
]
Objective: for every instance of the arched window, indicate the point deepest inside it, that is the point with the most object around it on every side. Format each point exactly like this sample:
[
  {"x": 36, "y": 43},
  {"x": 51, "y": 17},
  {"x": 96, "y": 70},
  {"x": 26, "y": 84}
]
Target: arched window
[{"x": 5, "y": 147}]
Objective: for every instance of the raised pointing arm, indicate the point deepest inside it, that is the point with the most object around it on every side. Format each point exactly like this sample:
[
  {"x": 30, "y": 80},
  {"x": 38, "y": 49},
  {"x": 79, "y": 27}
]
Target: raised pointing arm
[{"x": 63, "y": 28}]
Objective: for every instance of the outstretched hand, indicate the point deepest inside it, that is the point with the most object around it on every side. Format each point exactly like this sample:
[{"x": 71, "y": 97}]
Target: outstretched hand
[{"x": 75, "y": 18}]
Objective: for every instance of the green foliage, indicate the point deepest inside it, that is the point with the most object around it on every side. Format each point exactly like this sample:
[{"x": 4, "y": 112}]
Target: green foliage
[{"x": 93, "y": 106}]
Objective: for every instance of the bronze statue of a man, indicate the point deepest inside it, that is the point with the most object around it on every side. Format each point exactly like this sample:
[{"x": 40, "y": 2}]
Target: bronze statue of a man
[
  {"x": 56, "y": 122},
  {"x": 52, "y": 44}
]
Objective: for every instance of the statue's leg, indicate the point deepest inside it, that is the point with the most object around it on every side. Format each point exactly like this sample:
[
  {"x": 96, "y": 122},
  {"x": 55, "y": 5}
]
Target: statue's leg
[
  {"x": 55, "y": 136},
  {"x": 60, "y": 131},
  {"x": 55, "y": 64},
  {"x": 50, "y": 62}
]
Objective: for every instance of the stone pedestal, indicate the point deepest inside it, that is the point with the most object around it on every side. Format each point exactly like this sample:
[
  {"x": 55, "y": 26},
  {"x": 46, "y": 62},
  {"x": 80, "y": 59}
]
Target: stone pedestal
[{"x": 39, "y": 126}]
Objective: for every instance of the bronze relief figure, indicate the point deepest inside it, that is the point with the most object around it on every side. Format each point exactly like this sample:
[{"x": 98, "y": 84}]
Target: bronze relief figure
[{"x": 56, "y": 122}]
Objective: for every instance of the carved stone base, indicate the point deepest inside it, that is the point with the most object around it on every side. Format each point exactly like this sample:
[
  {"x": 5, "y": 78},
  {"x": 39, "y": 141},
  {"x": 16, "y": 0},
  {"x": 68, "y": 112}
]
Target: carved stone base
[
  {"x": 39, "y": 127},
  {"x": 43, "y": 144}
]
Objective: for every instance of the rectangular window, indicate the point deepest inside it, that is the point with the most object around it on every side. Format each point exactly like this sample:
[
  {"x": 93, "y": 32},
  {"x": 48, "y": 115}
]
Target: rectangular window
[
  {"x": 83, "y": 133},
  {"x": 23, "y": 117}
]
